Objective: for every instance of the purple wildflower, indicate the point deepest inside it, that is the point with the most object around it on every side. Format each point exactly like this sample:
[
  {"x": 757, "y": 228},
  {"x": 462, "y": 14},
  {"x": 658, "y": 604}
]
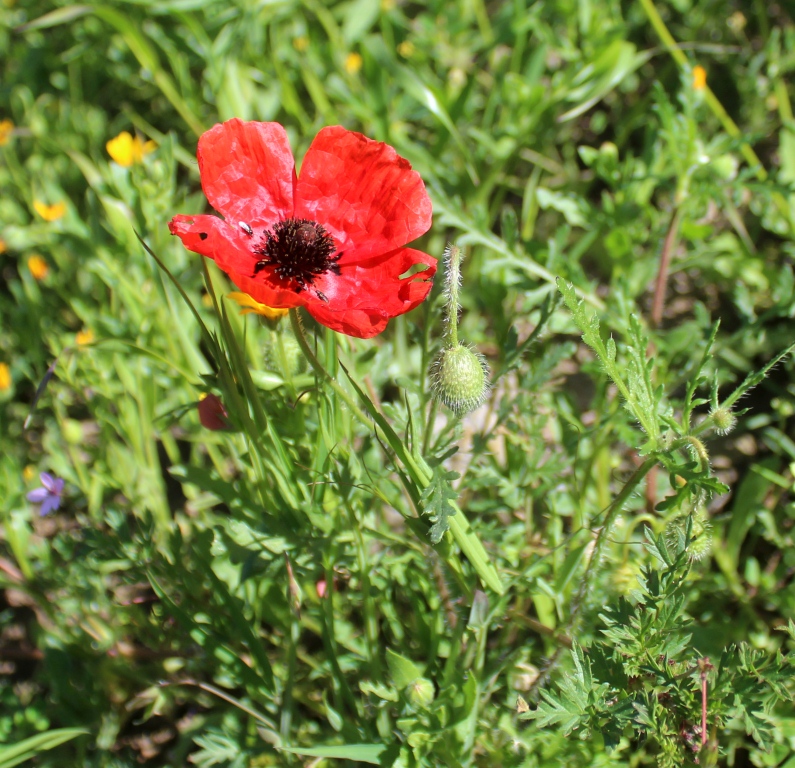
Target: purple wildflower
[{"x": 49, "y": 495}]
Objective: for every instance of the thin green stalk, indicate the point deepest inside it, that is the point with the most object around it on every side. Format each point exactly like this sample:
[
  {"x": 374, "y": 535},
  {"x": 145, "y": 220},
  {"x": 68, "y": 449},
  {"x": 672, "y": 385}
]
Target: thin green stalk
[
  {"x": 601, "y": 538},
  {"x": 586, "y": 583},
  {"x": 452, "y": 287},
  {"x": 370, "y": 608},
  {"x": 317, "y": 366},
  {"x": 419, "y": 471},
  {"x": 426, "y": 440},
  {"x": 286, "y": 719}
]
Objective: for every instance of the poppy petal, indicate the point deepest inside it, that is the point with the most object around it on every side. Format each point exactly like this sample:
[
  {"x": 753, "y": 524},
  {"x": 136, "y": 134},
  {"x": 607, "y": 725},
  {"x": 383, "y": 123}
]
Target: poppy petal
[
  {"x": 362, "y": 192},
  {"x": 364, "y": 296},
  {"x": 248, "y": 172},
  {"x": 210, "y": 236},
  {"x": 230, "y": 248}
]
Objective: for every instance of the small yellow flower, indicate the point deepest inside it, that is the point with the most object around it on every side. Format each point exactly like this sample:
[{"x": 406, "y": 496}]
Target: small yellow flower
[
  {"x": 127, "y": 150},
  {"x": 353, "y": 63},
  {"x": 301, "y": 43},
  {"x": 406, "y": 49},
  {"x": 250, "y": 306},
  {"x": 38, "y": 267},
  {"x": 5, "y": 378},
  {"x": 3, "y": 248},
  {"x": 699, "y": 78},
  {"x": 6, "y": 130},
  {"x": 28, "y": 473},
  {"x": 50, "y": 212},
  {"x": 84, "y": 337}
]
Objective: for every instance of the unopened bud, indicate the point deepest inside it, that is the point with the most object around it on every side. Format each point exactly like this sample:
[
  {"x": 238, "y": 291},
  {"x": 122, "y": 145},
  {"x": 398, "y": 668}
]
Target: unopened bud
[
  {"x": 700, "y": 543},
  {"x": 460, "y": 379},
  {"x": 724, "y": 420},
  {"x": 421, "y": 692},
  {"x": 212, "y": 413}
]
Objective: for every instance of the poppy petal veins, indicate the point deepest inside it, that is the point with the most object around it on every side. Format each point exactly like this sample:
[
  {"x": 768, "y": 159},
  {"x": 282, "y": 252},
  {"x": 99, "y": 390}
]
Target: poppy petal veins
[
  {"x": 363, "y": 192},
  {"x": 247, "y": 171}
]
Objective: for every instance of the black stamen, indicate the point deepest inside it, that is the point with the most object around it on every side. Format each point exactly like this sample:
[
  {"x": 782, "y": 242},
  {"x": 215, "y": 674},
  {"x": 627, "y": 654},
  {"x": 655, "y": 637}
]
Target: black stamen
[{"x": 300, "y": 251}]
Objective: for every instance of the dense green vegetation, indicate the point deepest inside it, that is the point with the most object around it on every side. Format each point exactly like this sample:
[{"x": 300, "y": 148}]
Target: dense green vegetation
[{"x": 619, "y": 177}]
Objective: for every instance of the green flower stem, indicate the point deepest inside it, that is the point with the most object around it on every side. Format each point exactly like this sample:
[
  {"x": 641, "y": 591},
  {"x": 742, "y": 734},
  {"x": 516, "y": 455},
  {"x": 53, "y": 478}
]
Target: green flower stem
[
  {"x": 460, "y": 530},
  {"x": 601, "y": 538},
  {"x": 586, "y": 583},
  {"x": 453, "y": 283},
  {"x": 317, "y": 366}
]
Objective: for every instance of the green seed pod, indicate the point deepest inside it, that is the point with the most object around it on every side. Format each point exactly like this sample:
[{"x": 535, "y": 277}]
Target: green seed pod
[
  {"x": 724, "y": 420},
  {"x": 460, "y": 379},
  {"x": 421, "y": 693},
  {"x": 700, "y": 543}
]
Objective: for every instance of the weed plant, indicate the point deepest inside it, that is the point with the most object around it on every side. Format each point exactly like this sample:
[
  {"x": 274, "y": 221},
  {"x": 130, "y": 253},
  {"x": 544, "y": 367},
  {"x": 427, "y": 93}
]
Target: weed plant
[{"x": 275, "y": 544}]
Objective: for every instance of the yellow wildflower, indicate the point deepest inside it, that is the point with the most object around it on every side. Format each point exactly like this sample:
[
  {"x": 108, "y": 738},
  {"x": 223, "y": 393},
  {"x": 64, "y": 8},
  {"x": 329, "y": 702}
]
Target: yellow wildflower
[
  {"x": 50, "y": 212},
  {"x": 127, "y": 149},
  {"x": 406, "y": 49},
  {"x": 353, "y": 63},
  {"x": 28, "y": 473},
  {"x": 6, "y": 130},
  {"x": 38, "y": 267},
  {"x": 301, "y": 43},
  {"x": 251, "y": 306},
  {"x": 84, "y": 337},
  {"x": 5, "y": 377},
  {"x": 3, "y": 248},
  {"x": 699, "y": 78}
]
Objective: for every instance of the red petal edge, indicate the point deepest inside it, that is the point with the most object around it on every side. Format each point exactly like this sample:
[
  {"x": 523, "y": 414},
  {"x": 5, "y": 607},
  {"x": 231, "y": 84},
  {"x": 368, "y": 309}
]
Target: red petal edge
[
  {"x": 248, "y": 172},
  {"x": 364, "y": 297}
]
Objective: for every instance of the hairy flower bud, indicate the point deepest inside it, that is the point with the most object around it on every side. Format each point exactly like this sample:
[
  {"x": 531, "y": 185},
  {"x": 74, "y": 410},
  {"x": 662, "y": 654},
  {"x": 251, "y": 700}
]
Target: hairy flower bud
[
  {"x": 724, "y": 420},
  {"x": 460, "y": 379},
  {"x": 700, "y": 543},
  {"x": 421, "y": 693}
]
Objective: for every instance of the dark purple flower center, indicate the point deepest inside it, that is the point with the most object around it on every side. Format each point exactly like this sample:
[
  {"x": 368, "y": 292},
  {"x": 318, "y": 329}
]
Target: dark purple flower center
[{"x": 300, "y": 251}]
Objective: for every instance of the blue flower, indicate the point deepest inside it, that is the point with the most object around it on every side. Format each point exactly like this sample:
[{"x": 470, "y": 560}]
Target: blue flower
[{"x": 49, "y": 495}]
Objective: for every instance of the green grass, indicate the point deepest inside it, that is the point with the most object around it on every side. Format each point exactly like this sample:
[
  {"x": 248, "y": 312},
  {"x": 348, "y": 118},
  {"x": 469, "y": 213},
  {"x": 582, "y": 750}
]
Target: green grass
[{"x": 270, "y": 595}]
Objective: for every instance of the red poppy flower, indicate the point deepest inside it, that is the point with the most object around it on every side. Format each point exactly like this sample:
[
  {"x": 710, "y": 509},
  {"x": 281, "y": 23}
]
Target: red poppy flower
[{"x": 330, "y": 240}]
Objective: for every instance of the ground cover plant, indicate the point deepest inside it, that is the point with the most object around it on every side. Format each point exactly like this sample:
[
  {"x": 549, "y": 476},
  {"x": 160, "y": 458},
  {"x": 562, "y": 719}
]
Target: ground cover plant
[{"x": 485, "y": 461}]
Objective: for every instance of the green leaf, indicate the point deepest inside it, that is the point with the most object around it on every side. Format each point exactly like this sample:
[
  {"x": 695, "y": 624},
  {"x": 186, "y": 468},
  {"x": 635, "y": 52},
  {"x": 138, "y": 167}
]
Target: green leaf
[
  {"x": 403, "y": 671},
  {"x": 435, "y": 501},
  {"x": 360, "y": 753},
  {"x": 56, "y": 17},
  {"x": 27, "y": 749}
]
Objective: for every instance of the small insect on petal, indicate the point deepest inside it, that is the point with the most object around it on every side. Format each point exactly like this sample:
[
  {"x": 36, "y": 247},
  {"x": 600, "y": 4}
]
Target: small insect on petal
[{"x": 246, "y": 228}]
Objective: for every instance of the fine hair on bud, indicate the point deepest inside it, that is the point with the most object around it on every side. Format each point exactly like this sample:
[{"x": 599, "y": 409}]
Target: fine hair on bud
[
  {"x": 460, "y": 379},
  {"x": 452, "y": 258},
  {"x": 724, "y": 420},
  {"x": 699, "y": 543}
]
